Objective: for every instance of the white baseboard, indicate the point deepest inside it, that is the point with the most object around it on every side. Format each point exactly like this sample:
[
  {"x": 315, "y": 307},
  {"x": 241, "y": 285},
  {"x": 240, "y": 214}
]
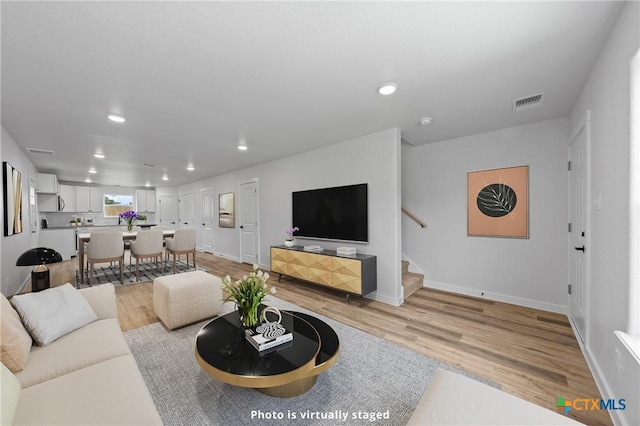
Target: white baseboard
[
  {"x": 384, "y": 299},
  {"x": 520, "y": 301}
]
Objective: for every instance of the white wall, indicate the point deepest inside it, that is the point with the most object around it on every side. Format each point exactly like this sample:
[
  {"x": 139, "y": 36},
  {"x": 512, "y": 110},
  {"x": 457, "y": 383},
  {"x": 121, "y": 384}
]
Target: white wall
[
  {"x": 373, "y": 159},
  {"x": 529, "y": 272},
  {"x": 607, "y": 94},
  {"x": 14, "y": 277}
]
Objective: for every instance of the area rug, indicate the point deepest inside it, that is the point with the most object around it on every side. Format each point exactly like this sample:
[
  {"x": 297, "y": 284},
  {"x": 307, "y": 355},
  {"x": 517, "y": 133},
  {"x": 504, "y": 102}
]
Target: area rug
[
  {"x": 372, "y": 377},
  {"x": 148, "y": 271}
]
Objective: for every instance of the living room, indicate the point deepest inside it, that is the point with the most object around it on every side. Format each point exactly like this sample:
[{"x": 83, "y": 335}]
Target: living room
[{"x": 429, "y": 179}]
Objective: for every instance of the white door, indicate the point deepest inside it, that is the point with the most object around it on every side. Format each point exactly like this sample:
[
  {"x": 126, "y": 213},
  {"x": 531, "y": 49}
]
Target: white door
[
  {"x": 207, "y": 216},
  {"x": 248, "y": 214},
  {"x": 185, "y": 210},
  {"x": 168, "y": 211},
  {"x": 579, "y": 228}
]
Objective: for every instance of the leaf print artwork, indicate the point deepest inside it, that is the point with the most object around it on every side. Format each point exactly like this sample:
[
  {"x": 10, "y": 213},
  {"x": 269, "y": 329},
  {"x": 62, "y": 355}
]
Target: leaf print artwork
[{"x": 497, "y": 200}]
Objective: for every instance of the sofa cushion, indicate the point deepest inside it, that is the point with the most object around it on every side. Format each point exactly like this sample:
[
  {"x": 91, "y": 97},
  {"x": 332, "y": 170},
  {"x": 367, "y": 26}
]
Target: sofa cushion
[
  {"x": 102, "y": 299},
  {"x": 54, "y": 312},
  {"x": 112, "y": 392},
  {"x": 15, "y": 341},
  {"x": 10, "y": 391},
  {"x": 99, "y": 341}
]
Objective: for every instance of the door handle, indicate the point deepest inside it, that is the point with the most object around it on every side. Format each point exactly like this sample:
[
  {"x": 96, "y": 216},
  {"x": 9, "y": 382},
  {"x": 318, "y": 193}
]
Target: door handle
[
  {"x": 580, "y": 248},
  {"x": 241, "y": 227}
]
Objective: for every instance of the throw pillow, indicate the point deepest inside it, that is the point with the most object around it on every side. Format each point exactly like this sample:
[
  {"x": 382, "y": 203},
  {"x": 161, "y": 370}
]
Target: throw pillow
[
  {"x": 15, "y": 341},
  {"x": 52, "y": 313}
]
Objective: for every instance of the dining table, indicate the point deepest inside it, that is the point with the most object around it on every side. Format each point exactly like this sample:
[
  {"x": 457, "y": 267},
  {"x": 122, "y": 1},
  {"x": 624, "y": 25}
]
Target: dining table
[{"x": 126, "y": 235}]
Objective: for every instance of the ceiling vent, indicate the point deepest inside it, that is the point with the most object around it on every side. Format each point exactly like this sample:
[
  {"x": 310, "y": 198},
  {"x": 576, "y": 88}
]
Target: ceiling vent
[
  {"x": 40, "y": 151},
  {"x": 149, "y": 165},
  {"x": 528, "y": 102}
]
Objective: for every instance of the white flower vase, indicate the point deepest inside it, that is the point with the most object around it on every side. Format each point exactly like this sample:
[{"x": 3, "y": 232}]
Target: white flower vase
[{"x": 289, "y": 243}]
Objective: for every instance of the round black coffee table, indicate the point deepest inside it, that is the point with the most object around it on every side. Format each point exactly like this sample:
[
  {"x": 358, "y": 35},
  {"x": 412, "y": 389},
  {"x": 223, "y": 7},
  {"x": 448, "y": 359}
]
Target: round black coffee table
[{"x": 287, "y": 370}]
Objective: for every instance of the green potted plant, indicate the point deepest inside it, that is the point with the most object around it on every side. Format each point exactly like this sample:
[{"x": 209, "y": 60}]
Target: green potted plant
[{"x": 247, "y": 293}]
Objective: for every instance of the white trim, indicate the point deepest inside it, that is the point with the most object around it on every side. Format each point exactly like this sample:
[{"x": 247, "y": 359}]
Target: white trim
[
  {"x": 385, "y": 299},
  {"x": 520, "y": 301},
  {"x": 633, "y": 320},
  {"x": 227, "y": 256}
]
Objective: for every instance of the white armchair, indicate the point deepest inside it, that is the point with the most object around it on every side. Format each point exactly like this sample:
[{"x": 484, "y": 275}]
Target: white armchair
[
  {"x": 105, "y": 247},
  {"x": 148, "y": 244},
  {"x": 183, "y": 242}
]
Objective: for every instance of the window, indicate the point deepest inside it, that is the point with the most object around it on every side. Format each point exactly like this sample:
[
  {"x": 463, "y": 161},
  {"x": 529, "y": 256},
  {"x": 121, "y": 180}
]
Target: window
[{"x": 116, "y": 204}]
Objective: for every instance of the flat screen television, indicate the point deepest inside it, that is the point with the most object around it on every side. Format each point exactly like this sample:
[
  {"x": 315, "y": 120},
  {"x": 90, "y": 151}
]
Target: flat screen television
[{"x": 338, "y": 213}]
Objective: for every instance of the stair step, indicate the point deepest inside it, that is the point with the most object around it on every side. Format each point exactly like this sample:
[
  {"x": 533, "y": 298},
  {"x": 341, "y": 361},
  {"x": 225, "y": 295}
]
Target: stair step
[
  {"x": 411, "y": 282},
  {"x": 405, "y": 266}
]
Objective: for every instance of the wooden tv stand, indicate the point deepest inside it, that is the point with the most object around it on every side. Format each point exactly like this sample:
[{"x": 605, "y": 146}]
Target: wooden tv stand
[{"x": 351, "y": 274}]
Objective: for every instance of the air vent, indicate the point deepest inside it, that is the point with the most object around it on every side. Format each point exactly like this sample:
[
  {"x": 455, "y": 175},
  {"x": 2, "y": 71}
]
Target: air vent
[
  {"x": 40, "y": 151},
  {"x": 149, "y": 165},
  {"x": 528, "y": 102}
]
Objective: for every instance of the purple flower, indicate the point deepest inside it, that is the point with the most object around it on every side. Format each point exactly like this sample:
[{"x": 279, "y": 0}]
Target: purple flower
[
  {"x": 129, "y": 216},
  {"x": 290, "y": 231}
]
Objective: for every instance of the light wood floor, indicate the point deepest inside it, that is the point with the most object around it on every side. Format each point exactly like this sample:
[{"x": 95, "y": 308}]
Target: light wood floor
[{"x": 533, "y": 354}]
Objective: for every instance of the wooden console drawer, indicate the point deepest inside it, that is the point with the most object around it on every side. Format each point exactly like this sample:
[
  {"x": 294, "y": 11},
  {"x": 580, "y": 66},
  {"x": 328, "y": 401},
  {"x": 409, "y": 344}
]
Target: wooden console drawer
[{"x": 354, "y": 275}]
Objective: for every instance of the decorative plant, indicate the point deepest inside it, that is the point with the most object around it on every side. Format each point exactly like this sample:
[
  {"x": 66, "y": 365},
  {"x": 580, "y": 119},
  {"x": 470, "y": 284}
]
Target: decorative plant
[
  {"x": 247, "y": 293},
  {"x": 290, "y": 233},
  {"x": 129, "y": 217}
]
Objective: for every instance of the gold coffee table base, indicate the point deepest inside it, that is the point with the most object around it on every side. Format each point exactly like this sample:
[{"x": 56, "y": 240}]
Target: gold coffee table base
[{"x": 292, "y": 389}]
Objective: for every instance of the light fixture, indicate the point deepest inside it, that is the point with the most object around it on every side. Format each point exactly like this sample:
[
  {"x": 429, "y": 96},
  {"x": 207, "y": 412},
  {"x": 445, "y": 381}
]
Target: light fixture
[
  {"x": 116, "y": 118},
  {"x": 87, "y": 180},
  {"x": 99, "y": 155},
  {"x": 147, "y": 184},
  {"x": 93, "y": 171},
  {"x": 39, "y": 257},
  {"x": 388, "y": 89},
  {"x": 165, "y": 177},
  {"x": 190, "y": 167},
  {"x": 243, "y": 147},
  {"x": 424, "y": 121}
]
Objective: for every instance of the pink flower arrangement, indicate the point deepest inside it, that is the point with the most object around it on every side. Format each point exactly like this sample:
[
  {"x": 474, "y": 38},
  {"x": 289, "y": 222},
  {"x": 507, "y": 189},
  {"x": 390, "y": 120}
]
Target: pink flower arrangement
[{"x": 290, "y": 231}]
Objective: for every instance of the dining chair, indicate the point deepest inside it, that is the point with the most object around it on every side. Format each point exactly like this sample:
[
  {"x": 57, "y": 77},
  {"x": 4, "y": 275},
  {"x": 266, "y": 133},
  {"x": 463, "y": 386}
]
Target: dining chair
[
  {"x": 148, "y": 244},
  {"x": 183, "y": 242},
  {"x": 105, "y": 247}
]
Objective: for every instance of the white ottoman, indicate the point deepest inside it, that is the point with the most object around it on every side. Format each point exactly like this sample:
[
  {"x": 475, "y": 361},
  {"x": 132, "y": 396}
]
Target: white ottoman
[{"x": 186, "y": 298}]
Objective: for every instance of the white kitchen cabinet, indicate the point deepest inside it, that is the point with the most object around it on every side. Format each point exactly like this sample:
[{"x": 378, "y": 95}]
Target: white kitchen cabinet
[
  {"x": 48, "y": 203},
  {"x": 145, "y": 200},
  {"x": 68, "y": 198},
  {"x": 47, "y": 183},
  {"x": 89, "y": 199}
]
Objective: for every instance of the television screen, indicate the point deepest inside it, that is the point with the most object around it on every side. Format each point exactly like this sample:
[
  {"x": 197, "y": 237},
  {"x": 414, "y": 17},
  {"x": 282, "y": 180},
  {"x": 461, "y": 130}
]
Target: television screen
[{"x": 338, "y": 213}]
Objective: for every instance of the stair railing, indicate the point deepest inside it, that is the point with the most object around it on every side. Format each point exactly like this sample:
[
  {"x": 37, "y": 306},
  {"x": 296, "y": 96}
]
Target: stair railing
[{"x": 414, "y": 217}]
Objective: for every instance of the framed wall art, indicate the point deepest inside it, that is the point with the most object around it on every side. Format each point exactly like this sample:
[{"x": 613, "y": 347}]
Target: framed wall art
[
  {"x": 12, "y": 192},
  {"x": 498, "y": 202},
  {"x": 226, "y": 210}
]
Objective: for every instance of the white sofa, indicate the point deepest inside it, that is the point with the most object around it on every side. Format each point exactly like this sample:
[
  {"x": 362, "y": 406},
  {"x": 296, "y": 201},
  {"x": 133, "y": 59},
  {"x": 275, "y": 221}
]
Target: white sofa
[{"x": 86, "y": 377}]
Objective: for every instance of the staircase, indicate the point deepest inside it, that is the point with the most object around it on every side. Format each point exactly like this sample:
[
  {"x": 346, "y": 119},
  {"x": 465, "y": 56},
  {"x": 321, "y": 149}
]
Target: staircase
[{"x": 410, "y": 280}]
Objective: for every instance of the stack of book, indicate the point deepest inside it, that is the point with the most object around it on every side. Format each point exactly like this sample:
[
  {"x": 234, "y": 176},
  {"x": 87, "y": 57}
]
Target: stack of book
[
  {"x": 313, "y": 249},
  {"x": 262, "y": 343},
  {"x": 346, "y": 251}
]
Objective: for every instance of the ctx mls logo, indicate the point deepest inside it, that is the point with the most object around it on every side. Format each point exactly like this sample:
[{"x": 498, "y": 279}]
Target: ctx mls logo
[{"x": 586, "y": 404}]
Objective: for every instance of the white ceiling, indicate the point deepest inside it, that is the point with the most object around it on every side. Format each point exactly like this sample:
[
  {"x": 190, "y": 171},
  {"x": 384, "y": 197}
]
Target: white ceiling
[{"x": 195, "y": 78}]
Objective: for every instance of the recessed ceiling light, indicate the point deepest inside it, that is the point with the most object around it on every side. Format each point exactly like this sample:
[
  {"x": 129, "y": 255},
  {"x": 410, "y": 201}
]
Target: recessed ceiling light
[
  {"x": 165, "y": 177},
  {"x": 424, "y": 121},
  {"x": 388, "y": 89},
  {"x": 117, "y": 118},
  {"x": 99, "y": 155},
  {"x": 243, "y": 147},
  {"x": 93, "y": 171},
  {"x": 190, "y": 167},
  {"x": 147, "y": 184},
  {"x": 87, "y": 180}
]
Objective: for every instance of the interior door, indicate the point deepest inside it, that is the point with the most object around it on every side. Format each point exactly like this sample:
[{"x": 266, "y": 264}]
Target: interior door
[
  {"x": 168, "y": 210},
  {"x": 578, "y": 238},
  {"x": 248, "y": 214},
  {"x": 185, "y": 210},
  {"x": 207, "y": 215}
]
